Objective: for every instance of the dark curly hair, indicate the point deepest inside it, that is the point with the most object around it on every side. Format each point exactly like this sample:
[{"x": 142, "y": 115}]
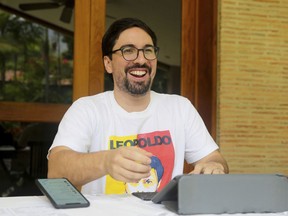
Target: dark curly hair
[{"x": 112, "y": 34}]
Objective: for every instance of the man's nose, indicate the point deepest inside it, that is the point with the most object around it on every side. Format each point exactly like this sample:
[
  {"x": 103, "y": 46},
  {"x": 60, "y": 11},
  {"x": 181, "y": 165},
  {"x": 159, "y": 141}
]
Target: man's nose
[{"x": 140, "y": 58}]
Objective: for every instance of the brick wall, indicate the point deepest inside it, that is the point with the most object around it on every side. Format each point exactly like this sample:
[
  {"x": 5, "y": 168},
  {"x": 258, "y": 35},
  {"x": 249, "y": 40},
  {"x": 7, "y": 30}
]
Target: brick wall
[{"x": 252, "y": 118}]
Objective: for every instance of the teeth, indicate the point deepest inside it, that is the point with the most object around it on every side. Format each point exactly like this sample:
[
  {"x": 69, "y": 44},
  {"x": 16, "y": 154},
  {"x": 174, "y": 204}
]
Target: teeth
[{"x": 138, "y": 73}]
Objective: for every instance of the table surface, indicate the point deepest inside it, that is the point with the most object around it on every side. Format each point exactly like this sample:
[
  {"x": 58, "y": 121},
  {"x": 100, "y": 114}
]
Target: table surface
[{"x": 110, "y": 205}]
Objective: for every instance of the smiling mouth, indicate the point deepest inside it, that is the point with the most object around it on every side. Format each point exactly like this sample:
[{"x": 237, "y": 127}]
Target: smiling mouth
[{"x": 138, "y": 73}]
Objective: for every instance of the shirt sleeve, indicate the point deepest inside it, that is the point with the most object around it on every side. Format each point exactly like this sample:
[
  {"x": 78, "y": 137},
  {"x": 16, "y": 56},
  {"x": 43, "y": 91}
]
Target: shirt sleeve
[
  {"x": 75, "y": 128},
  {"x": 199, "y": 142}
]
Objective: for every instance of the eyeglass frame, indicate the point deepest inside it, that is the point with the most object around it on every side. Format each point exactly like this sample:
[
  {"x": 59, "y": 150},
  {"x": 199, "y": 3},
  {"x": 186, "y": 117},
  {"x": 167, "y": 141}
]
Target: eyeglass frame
[{"x": 156, "y": 50}]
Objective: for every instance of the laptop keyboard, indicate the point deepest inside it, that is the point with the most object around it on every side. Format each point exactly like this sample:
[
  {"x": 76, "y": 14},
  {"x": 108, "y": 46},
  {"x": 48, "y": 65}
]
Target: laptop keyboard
[{"x": 145, "y": 195}]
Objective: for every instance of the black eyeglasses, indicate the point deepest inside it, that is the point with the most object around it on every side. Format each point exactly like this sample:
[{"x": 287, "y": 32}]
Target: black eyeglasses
[{"x": 130, "y": 53}]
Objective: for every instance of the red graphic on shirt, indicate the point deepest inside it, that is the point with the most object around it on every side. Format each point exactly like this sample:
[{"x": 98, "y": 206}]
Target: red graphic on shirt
[{"x": 160, "y": 144}]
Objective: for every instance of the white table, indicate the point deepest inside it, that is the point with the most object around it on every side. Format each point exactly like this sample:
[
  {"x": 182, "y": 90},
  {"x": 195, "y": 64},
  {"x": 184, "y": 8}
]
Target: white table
[{"x": 100, "y": 205}]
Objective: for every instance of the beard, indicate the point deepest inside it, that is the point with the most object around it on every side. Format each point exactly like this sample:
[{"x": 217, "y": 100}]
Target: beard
[{"x": 135, "y": 88}]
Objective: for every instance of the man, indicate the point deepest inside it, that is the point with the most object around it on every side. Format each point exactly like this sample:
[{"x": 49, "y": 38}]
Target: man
[{"x": 107, "y": 140}]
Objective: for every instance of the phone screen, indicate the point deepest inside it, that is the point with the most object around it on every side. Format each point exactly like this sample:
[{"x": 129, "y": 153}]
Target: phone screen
[{"x": 62, "y": 193}]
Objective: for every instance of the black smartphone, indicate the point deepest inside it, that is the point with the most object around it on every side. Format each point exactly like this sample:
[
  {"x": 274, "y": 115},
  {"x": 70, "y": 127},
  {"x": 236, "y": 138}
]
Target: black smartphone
[{"x": 62, "y": 193}]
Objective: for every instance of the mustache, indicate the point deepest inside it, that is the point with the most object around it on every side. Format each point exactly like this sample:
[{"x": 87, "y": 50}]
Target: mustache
[{"x": 145, "y": 66}]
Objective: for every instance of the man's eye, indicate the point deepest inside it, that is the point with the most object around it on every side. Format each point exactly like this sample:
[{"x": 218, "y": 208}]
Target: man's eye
[
  {"x": 149, "y": 50},
  {"x": 128, "y": 50},
  {"x": 147, "y": 181}
]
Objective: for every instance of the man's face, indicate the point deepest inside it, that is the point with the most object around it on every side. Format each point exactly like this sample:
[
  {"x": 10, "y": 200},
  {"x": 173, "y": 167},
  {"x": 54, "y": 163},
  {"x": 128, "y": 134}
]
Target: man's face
[
  {"x": 149, "y": 184},
  {"x": 134, "y": 77}
]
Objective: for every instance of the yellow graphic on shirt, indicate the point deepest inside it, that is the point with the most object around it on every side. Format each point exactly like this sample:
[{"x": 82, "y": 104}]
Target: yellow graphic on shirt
[{"x": 113, "y": 186}]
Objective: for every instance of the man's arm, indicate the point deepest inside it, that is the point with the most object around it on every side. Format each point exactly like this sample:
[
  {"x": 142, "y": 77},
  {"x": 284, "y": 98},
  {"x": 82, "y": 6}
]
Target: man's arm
[
  {"x": 213, "y": 163},
  {"x": 128, "y": 164}
]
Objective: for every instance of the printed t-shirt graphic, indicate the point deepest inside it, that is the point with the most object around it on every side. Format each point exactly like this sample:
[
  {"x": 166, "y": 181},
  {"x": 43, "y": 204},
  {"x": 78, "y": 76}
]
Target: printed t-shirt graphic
[{"x": 160, "y": 144}]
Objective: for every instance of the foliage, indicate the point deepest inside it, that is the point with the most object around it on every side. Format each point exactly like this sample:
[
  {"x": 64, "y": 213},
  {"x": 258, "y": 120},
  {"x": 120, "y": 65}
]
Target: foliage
[{"x": 26, "y": 51}]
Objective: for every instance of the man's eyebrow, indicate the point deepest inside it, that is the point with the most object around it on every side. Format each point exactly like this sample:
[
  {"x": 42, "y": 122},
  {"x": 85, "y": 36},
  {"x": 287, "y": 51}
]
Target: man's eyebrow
[{"x": 132, "y": 45}]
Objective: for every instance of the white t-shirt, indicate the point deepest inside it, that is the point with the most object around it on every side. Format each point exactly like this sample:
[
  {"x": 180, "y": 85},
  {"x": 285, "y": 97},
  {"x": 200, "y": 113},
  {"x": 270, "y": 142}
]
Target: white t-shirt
[{"x": 170, "y": 128}]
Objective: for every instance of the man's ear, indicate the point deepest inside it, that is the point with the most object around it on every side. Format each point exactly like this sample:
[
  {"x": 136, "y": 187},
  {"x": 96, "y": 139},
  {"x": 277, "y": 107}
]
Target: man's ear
[{"x": 107, "y": 64}]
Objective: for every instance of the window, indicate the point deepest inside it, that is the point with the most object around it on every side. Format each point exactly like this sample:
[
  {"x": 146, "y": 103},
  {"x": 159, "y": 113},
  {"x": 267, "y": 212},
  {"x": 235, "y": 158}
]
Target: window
[{"x": 36, "y": 62}]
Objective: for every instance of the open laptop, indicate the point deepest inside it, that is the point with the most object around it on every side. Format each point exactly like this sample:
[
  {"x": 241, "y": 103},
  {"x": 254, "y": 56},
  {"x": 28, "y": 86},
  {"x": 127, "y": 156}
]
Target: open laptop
[{"x": 231, "y": 193}]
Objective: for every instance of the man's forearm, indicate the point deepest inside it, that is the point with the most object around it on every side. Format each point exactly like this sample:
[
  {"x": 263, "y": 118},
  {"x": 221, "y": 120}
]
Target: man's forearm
[{"x": 79, "y": 168}]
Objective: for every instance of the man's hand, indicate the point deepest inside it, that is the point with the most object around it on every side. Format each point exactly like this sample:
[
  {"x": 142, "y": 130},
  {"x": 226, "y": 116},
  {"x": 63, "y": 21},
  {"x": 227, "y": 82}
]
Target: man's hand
[
  {"x": 213, "y": 163},
  {"x": 208, "y": 168},
  {"x": 128, "y": 164}
]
